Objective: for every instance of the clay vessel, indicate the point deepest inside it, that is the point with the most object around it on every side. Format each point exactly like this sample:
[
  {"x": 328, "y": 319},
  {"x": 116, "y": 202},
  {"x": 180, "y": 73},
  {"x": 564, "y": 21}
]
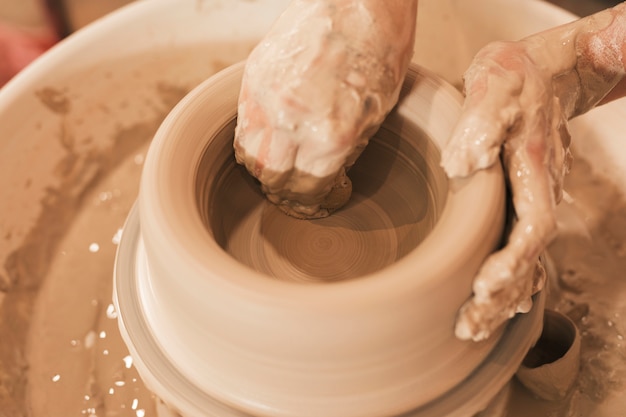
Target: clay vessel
[{"x": 255, "y": 311}]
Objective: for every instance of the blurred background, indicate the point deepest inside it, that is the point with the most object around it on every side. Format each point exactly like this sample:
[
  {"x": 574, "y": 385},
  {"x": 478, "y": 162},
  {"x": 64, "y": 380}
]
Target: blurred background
[
  {"x": 584, "y": 7},
  {"x": 29, "y": 27}
]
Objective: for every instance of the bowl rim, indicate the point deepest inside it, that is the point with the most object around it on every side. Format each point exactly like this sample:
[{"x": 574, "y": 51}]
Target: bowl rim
[
  {"x": 172, "y": 387},
  {"x": 226, "y": 307},
  {"x": 479, "y": 198}
]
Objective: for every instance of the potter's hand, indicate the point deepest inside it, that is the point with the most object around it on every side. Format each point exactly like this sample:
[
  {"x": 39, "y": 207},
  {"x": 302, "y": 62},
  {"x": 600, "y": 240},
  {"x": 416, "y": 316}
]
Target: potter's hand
[
  {"x": 314, "y": 90},
  {"x": 519, "y": 96},
  {"x": 510, "y": 104}
]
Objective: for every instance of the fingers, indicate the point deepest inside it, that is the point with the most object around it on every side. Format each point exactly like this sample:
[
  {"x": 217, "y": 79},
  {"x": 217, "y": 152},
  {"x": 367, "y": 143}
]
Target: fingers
[
  {"x": 505, "y": 284},
  {"x": 511, "y": 107},
  {"x": 478, "y": 320},
  {"x": 474, "y": 144},
  {"x": 509, "y": 277},
  {"x": 491, "y": 113},
  {"x": 314, "y": 91},
  {"x": 275, "y": 156}
]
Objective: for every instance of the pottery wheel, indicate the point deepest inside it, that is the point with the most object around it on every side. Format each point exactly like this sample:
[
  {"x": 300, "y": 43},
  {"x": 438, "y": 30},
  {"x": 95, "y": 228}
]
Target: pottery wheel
[{"x": 377, "y": 227}]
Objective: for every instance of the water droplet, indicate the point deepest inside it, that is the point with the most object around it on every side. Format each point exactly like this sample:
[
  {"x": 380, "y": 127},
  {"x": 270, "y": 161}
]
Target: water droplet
[
  {"x": 90, "y": 412},
  {"x": 140, "y": 413},
  {"x": 105, "y": 195},
  {"x": 94, "y": 247},
  {"x": 117, "y": 237},
  {"x": 111, "y": 312},
  {"x": 135, "y": 404},
  {"x": 56, "y": 378},
  {"x": 128, "y": 361},
  {"x": 119, "y": 383},
  {"x": 111, "y": 391},
  {"x": 90, "y": 339},
  {"x": 102, "y": 334}
]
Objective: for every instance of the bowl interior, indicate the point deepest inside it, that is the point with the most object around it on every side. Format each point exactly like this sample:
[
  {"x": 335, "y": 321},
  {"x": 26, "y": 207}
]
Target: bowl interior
[
  {"x": 398, "y": 194},
  {"x": 211, "y": 245}
]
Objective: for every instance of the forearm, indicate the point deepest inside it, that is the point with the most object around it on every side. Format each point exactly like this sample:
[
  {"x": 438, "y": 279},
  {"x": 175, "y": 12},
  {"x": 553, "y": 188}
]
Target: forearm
[{"x": 585, "y": 58}]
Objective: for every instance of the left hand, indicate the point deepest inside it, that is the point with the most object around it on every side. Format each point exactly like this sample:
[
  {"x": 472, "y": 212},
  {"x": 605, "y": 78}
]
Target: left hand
[
  {"x": 511, "y": 106},
  {"x": 314, "y": 91}
]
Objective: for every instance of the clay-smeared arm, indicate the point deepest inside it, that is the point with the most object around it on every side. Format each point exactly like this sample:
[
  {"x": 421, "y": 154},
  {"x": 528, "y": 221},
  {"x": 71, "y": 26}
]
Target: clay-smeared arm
[
  {"x": 519, "y": 96},
  {"x": 314, "y": 90}
]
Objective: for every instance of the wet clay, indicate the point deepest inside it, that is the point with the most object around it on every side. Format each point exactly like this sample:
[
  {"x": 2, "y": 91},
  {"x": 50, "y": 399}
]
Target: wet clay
[
  {"x": 376, "y": 228},
  {"x": 513, "y": 91},
  {"x": 589, "y": 258},
  {"x": 72, "y": 250},
  {"x": 189, "y": 208},
  {"x": 338, "y": 197},
  {"x": 78, "y": 362},
  {"x": 73, "y": 317},
  {"x": 314, "y": 91},
  {"x": 588, "y": 287}
]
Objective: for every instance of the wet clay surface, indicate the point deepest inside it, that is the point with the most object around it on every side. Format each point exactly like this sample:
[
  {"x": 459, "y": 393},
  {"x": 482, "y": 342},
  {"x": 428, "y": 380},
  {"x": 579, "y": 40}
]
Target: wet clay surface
[
  {"x": 379, "y": 225},
  {"x": 56, "y": 297},
  {"x": 589, "y": 256},
  {"x": 59, "y": 277},
  {"x": 79, "y": 366},
  {"x": 78, "y": 363}
]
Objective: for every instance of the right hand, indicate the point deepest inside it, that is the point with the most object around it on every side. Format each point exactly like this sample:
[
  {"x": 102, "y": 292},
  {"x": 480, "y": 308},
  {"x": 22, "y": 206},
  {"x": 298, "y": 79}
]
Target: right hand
[{"x": 314, "y": 90}]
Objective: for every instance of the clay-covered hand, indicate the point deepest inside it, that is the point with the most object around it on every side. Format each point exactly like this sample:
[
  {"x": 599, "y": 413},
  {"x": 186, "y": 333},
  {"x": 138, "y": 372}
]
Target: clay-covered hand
[
  {"x": 519, "y": 96},
  {"x": 510, "y": 104},
  {"x": 314, "y": 90}
]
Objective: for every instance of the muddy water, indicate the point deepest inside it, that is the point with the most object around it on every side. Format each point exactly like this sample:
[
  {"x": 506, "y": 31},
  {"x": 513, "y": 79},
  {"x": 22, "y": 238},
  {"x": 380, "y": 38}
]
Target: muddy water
[
  {"x": 55, "y": 319},
  {"x": 590, "y": 261},
  {"x": 78, "y": 364}
]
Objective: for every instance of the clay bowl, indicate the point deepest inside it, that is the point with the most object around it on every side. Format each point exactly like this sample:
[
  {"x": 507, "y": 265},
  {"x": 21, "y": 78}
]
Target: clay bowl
[{"x": 231, "y": 307}]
